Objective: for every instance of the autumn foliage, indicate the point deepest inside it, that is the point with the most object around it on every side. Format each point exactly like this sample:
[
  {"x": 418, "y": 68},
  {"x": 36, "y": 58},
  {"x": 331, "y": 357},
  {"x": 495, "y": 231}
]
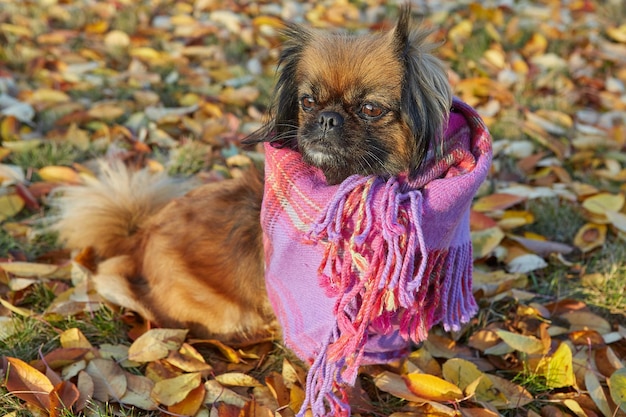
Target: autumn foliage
[{"x": 175, "y": 86}]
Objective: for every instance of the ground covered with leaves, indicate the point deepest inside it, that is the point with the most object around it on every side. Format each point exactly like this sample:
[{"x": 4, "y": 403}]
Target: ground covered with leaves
[{"x": 175, "y": 86}]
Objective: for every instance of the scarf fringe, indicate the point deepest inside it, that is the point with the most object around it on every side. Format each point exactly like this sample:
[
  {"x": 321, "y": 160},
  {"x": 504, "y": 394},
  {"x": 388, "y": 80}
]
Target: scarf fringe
[{"x": 384, "y": 293}]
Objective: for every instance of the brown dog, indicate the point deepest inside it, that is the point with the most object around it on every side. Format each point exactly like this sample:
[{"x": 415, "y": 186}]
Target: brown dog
[{"x": 368, "y": 104}]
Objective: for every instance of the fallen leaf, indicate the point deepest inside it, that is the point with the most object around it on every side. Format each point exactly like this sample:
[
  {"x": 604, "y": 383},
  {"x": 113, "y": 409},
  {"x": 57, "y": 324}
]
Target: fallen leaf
[
  {"x": 27, "y": 383},
  {"x": 617, "y": 387},
  {"x": 74, "y": 338},
  {"x": 431, "y": 387},
  {"x": 395, "y": 385},
  {"x": 485, "y": 241},
  {"x": 237, "y": 379},
  {"x": 156, "y": 344},
  {"x": 138, "y": 392},
  {"x": 59, "y": 174},
  {"x": 109, "y": 380},
  {"x": 191, "y": 404},
  {"x": 497, "y": 201},
  {"x": 597, "y": 393},
  {"x": 558, "y": 369},
  {"x": 521, "y": 343},
  {"x": 216, "y": 392},
  {"x": 10, "y": 205},
  {"x": 174, "y": 390}
]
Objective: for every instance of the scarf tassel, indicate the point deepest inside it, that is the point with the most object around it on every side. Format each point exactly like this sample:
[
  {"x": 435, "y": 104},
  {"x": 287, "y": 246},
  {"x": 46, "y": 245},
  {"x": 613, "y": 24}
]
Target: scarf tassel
[{"x": 400, "y": 279}]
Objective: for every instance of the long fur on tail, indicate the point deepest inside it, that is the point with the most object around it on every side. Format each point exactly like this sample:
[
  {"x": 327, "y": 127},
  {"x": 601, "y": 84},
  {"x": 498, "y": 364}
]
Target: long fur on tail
[{"x": 105, "y": 212}]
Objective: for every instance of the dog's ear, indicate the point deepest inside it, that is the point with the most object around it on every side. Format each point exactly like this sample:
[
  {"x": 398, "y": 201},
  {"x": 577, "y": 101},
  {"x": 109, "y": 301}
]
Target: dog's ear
[
  {"x": 282, "y": 123},
  {"x": 426, "y": 93}
]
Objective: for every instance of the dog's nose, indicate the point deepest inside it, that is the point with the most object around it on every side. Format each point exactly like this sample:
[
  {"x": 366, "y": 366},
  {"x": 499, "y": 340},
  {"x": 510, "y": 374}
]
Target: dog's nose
[{"x": 330, "y": 120}]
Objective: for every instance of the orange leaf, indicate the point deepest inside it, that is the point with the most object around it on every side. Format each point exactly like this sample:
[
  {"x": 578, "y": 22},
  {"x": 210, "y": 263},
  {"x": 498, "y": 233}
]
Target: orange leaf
[
  {"x": 433, "y": 388},
  {"x": 191, "y": 404},
  {"x": 59, "y": 174},
  {"x": 27, "y": 383},
  {"x": 497, "y": 201},
  {"x": 63, "y": 397}
]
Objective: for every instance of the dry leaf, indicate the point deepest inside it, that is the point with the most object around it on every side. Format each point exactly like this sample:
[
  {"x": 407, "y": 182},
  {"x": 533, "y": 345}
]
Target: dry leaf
[
  {"x": 174, "y": 390},
  {"x": 237, "y": 379},
  {"x": 109, "y": 380},
  {"x": 138, "y": 390},
  {"x": 432, "y": 388},
  {"x": 27, "y": 383},
  {"x": 156, "y": 344},
  {"x": 597, "y": 393}
]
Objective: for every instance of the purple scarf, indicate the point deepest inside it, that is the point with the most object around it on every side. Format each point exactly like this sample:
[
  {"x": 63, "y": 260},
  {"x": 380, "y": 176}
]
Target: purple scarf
[{"x": 358, "y": 270}]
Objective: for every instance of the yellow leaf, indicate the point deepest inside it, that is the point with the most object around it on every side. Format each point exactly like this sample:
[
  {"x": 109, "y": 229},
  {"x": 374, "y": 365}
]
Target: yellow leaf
[
  {"x": 106, "y": 111},
  {"x": 156, "y": 344},
  {"x": 470, "y": 379},
  {"x": 17, "y": 310},
  {"x": 394, "y": 384},
  {"x": 460, "y": 32},
  {"x": 575, "y": 407},
  {"x": 74, "y": 338},
  {"x": 617, "y": 33},
  {"x": 191, "y": 404},
  {"x": 59, "y": 174},
  {"x": 29, "y": 269},
  {"x": 48, "y": 96},
  {"x": 230, "y": 353},
  {"x": 433, "y": 388},
  {"x": 485, "y": 241},
  {"x": 536, "y": 45},
  {"x": 618, "y": 220},
  {"x": 617, "y": 386},
  {"x": 603, "y": 202},
  {"x": 10, "y": 205},
  {"x": 173, "y": 390},
  {"x": 558, "y": 370},
  {"x": 521, "y": 343},
  {"x": 237, "y": 379},
  {"x": 590, "y": 236},
  {"x": 497, "y": 201}
]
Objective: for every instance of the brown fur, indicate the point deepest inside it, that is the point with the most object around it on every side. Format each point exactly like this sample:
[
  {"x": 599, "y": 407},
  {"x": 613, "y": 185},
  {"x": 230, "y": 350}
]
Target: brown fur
[{"x": 196, "y": 260}]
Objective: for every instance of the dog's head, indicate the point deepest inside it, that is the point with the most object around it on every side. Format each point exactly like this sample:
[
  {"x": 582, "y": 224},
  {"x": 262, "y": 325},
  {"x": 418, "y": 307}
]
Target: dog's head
[{"x": 369, "y": 104}]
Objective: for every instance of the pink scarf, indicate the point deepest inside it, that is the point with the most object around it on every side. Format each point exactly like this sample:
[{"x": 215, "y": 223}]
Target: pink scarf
[{"x": 358, "y": 270}]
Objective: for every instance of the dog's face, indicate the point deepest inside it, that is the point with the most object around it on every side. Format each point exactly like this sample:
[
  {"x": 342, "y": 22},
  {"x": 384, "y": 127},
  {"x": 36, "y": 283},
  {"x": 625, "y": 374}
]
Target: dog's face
[{"x": 368, "y": 104}]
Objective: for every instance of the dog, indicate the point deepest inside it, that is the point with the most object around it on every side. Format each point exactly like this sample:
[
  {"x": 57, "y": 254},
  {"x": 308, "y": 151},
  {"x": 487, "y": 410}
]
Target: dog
[{"x": 370, "y": 104}]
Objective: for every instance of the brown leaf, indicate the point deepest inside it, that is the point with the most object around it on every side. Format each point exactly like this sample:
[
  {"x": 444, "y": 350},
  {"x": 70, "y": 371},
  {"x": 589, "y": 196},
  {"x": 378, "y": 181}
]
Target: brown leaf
[
  {"x": 62, "y": 398},
  {"x": 191, "y": 404},
  {"x": 156, "y": 344},
  {"x": 109, "y": 380},
  {"x": 27, "y": 383},
  {"x": 174, "y": 390}
]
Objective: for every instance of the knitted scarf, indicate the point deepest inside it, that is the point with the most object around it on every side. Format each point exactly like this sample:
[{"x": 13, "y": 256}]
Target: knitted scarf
[{"x": 358, "y": 270}]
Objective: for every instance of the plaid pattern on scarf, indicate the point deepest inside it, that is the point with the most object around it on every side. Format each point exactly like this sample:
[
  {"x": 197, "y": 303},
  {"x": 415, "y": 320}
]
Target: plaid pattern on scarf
[{"x": 358, "y": 270}]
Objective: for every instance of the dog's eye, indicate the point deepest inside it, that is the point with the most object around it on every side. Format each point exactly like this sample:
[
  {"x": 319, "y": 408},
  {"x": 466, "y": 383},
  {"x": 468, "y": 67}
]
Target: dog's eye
[
  {"x": 371, "y": 111},
  {"x": 308, "y": 103}
]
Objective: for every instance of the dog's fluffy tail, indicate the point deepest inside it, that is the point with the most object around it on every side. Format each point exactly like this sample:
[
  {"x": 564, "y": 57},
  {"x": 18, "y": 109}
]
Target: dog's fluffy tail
[{"x": 105, "y": 213}]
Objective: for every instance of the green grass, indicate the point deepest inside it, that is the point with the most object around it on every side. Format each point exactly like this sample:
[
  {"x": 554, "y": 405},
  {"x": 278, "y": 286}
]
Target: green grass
[
  {"x": 48, "y": 153},
  {"x": 606, "y": 289}
]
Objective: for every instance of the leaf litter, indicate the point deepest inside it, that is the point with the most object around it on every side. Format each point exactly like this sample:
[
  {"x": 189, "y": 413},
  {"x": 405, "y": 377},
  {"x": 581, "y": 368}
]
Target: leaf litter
[{"x": 175, "y": 86}]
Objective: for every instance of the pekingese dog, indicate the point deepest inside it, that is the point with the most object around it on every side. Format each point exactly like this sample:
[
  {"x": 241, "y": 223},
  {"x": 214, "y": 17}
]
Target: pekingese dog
[{"x": 373, "y": 104}]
